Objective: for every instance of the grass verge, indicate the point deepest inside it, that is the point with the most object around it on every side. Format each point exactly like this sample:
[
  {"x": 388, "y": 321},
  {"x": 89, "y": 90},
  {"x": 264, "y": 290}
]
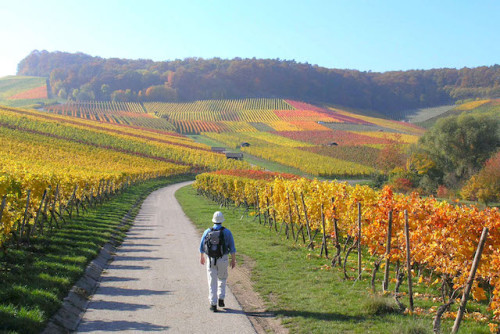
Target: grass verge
[
  {"x": 310, "y": 296},
  {"x": 34, "y": 279}
]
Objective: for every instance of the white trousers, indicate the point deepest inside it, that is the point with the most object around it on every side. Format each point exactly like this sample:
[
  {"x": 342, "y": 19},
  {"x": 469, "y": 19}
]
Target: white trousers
[{"x": 217, "y": 277}]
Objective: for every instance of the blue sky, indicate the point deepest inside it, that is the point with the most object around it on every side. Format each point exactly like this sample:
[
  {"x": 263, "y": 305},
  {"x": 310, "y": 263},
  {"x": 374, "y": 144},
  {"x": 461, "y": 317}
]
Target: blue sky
[{"x": 364, "y": 35}]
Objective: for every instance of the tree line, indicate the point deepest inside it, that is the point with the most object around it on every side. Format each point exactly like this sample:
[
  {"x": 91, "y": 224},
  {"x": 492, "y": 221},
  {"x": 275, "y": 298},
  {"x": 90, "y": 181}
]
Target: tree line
[{"x": 83, "y": 77}]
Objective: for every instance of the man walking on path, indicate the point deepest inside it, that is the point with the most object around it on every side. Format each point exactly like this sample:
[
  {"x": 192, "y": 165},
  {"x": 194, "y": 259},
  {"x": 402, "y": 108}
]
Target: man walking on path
[{"x": 217, "y": 242}]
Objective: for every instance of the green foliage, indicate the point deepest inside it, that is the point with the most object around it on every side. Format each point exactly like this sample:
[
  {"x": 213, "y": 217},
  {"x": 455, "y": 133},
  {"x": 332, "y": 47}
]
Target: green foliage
[
  {"x": 459, "y": 146},
  {"x": 379, "y": 305},
  {"x": 413, "y": 327}
]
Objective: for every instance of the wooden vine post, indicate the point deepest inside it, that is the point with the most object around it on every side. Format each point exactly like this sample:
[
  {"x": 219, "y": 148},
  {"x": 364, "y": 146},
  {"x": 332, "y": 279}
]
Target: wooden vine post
[
  {"x": 359, "y": 240},
  {"x": 337, "y": 258},
  {"x": 470, "y": 280},
  {"x": 408, "y": 260},
  {"x": 308, "y": 227},
  {"x": 37, "y": 217},
  {"x": 300, "y": 229},
  {"x": 290, "y": 215},
  {"x": 4, "y": 203},
  {"x": 324, "y": 245},
  {"x": 385, "y": 284},
  {"x": 45, "y": 218},
  {"x": 25, "y": 217},
  {"x": 269, "y": 219},
  {"x": 53, "y": 208},
  {"x": 258, "y": 205},
  {"x": 274, "y": 211}
]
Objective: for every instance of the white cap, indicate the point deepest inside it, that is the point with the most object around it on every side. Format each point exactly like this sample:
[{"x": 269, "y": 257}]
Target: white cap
[{"x": 218, "y": 217}]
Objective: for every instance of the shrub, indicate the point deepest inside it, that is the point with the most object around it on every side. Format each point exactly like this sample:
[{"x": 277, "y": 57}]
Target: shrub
[
  {"x": 380, "y": 305},
  {"x": 442, "y": 191}
]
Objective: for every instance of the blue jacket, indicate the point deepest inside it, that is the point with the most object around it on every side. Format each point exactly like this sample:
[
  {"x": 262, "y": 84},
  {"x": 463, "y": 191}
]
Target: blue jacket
[{"x": 228, "y": 239}]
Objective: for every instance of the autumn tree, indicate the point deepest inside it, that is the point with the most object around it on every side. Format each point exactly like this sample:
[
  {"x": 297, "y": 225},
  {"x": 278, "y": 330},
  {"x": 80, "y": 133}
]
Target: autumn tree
[
  {"x": 392, "y": 155},
  {"x": 485, "y": 186},
  {"x": 460, "y": 145},
  {"x": 161, "y": 93}
]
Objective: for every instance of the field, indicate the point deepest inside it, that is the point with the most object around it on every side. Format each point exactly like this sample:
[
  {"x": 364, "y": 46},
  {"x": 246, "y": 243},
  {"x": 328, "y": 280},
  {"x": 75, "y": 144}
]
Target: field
[
  {"x": 21, "y": 91},
  {"x": 291, "y": 133}
]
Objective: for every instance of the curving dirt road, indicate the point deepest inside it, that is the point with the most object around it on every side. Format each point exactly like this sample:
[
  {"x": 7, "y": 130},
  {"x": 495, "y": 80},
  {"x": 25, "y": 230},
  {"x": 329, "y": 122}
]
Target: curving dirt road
[{"x": 156, "y": 283}]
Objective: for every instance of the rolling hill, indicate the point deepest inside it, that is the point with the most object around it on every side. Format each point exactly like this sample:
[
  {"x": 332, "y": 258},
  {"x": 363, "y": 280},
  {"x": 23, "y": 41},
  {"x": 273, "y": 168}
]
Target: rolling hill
[{"x": 317, "y": 141}]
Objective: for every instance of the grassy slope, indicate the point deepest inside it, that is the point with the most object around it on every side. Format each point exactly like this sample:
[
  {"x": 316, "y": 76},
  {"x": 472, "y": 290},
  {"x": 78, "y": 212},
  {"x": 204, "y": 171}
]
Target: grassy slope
[
  {"x": 421, "y": 115},
  {"x": 11, "y": 85},
  {"x": 486, "y": 109},
  {"x": 35, "y": 279},
  {"x": 306, "y": 297}
]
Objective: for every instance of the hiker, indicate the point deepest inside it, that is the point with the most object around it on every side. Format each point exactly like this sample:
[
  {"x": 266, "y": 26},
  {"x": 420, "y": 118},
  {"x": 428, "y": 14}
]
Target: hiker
[{"x": 217, "y": 242}]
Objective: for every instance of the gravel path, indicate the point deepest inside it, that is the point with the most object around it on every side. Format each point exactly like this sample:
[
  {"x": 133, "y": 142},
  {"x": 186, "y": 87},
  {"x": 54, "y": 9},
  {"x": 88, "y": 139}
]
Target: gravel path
[{"x": 156, "y": 283}]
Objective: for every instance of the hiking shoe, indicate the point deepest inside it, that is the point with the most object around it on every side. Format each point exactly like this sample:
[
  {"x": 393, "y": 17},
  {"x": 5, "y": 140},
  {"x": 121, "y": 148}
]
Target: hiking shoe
[
  {"x": 213, "y": 308},
  {"x": 221, "y": 303}
]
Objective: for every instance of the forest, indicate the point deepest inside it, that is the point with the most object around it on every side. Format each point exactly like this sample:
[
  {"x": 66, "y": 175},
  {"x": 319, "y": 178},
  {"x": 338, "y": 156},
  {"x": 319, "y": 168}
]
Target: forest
[{"x": 78, "y": 76}]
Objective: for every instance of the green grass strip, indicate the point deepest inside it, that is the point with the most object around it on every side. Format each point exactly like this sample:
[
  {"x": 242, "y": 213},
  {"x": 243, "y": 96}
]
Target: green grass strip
[
  {"x": 34, "y": 279},
  {"x": 309, "y": 296}
]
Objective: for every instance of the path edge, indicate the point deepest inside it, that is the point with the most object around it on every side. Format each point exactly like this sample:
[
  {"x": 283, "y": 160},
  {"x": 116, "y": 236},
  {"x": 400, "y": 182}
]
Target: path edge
[{"x": 75, "y": 304}]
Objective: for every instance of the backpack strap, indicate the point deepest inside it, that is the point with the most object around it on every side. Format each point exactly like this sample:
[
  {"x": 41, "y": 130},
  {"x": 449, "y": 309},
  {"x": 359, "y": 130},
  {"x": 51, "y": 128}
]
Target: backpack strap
[{"x": 222, "y": 240}]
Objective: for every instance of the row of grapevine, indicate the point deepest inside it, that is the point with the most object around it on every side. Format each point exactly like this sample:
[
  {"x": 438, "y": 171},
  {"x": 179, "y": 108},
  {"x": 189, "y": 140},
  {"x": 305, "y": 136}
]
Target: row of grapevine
[
  {"x": 33, "y": 163},
  {"x": 162, "y": 145},
  {"x": 98, "y": 107},
  {"x": 339, "y": 137},
  {"x": 386, "y": 123},
  {"x": 442, "y": 237},
  {"x": 303, "y": 115},
  {"x": 330, "y": 112},
  {"x": 223, "y": 106}
]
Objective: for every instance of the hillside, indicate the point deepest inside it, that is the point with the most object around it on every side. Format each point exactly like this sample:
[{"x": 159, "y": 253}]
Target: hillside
[
  {"x": 316, "y": 141},
  {"x": 41, "y": 150},
  {"x": 489, "y": 107},
  {"x": 84, "y": 77},
  {"x": 24, "y": 91}
]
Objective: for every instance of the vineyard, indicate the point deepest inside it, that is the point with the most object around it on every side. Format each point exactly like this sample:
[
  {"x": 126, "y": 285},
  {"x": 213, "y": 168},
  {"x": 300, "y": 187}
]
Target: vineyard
[
  {"x": 312, "y": 135},
  {"x": 125, "y": 113},
  {"x": 51, "y": 162},
  {"x": 436, "y": 240},
  {"x": 72, "y": 156}
]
